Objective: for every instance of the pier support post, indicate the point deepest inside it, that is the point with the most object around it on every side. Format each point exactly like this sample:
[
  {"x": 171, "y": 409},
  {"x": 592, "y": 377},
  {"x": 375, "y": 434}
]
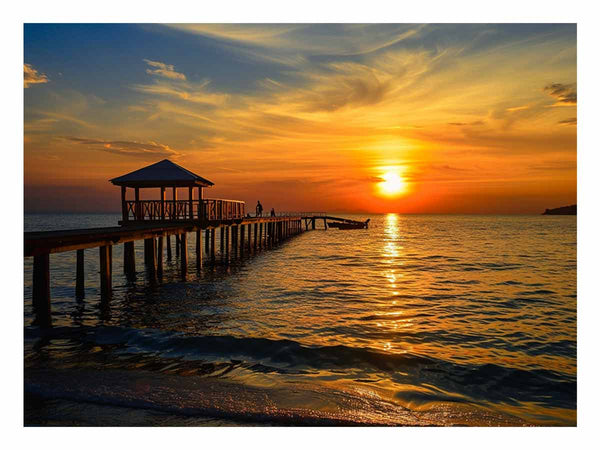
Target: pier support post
[
  {"x": 249, "y": 238},
  {"x": 260, "y": 237},
  {"x": 169, "y": 256},
  {"x": 242, "y": 236},
  {"x": 184, "y": 255},
  {"x": 41, "y": 290},
  {"x": 129, "y": 260},
  {"x": 255, "y": 236},
  {"x": 177, "y": 245},
  {"x": 150, "y": 258},
  {"x": 267, "y": 234},
  {"x": 325, "y": 222},
  {"x": 79, "y": 278},
  {"x": 227, "y": 243},
  {"x": 222, "y": 240},
  {"x": 159, "y": 257},
  {"x": 313, "y": 223},
  {"x": 206, "y": 240},
  {"x": 234, "y": 240},
  {"x": 213, "y": 241},
  {"x": 198, "y": 249},
  {"x": 105, "y": 271}
]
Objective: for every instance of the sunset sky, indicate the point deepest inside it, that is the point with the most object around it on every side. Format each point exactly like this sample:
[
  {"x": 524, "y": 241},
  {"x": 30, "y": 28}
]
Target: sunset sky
[{"x": 449, "y": 118}]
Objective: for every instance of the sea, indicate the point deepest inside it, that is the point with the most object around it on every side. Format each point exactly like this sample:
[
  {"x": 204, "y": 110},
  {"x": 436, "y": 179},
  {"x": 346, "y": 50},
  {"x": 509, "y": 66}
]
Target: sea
[{"x": 419, "y": 320}]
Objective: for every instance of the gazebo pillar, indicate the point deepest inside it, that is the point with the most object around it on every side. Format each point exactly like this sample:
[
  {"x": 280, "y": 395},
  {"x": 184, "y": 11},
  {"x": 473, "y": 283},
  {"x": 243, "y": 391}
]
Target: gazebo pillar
[
  {"x": 162, "y": 202},
  {"x": 175, "y": 213},
  {"x": 191, "y": 202},
  {"x": 138, "y": 209},
  {"x": 124, "y": 203},
  {"x": 200, "y": 204}
]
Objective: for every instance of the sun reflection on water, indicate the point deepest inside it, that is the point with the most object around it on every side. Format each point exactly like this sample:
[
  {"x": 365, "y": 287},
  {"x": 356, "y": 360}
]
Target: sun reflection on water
[{"x": 392, "y": 258}]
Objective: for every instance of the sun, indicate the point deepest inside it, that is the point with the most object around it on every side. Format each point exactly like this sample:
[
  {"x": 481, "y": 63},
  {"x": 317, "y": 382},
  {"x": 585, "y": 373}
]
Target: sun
[{"x": 392, "y": 185}]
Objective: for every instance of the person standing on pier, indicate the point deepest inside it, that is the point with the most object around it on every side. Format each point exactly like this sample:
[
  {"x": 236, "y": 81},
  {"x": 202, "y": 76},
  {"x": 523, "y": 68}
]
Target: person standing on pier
[
  {"x": 272, "y": 212},
  {"x": 259, "y": 209}
]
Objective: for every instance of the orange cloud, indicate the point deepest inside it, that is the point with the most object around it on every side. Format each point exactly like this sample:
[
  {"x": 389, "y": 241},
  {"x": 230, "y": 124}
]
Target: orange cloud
[
  {"x": 163, "y": 70},
  {"x": 130, "y": 148},
  {"x": 32, "y": 76}
]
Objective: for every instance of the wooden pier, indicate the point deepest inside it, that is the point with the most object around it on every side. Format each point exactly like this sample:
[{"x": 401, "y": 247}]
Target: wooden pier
[{"x": 156, "y": 222}]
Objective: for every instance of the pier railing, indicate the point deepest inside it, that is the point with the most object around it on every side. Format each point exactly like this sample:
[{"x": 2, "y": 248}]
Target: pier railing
[
  {"x": 208, "y": 209},
  {"x": 292, "y": 214}
]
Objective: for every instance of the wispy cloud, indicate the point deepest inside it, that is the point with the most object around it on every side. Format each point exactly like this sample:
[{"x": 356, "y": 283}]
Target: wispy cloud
[
  {"x": 465, "y": 124},
  {"x": 127, "y": 148},
  {"x": 339, "y": 39},
  {"x": 565, "y": 94},
  {"x": 163, "y": 70},
  {"x": 571, "y": 121},
  {"x": 32, "y": 76},
  {"x": 176, "y": 86},
  {"x": 189, "y": 92},
  {"x": 517, "y": 108}
]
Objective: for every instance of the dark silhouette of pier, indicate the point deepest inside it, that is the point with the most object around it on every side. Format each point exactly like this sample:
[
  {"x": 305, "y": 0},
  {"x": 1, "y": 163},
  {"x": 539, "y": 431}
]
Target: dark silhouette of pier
[{"x": 157, "y": 222}]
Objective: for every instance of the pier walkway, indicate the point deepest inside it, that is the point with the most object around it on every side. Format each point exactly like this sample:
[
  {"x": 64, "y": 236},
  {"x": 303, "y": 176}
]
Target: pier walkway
[
  {"x": 236, "y": 237},
  {"x": 155, "y": 222}
]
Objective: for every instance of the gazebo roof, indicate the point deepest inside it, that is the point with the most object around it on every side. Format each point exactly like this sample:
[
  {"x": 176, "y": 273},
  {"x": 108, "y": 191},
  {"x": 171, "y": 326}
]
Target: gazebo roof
[{"x": 164, "y": 173}]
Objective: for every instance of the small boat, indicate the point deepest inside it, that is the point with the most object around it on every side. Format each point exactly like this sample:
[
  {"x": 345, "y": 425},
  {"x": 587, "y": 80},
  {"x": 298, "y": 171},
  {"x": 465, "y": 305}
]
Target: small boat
[{"x": 349, "y": 225}]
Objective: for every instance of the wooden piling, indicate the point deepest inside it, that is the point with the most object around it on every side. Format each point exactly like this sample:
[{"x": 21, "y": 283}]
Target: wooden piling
[
  {"x": 249, "y": 238},
  {"x": 206, "y": 240},
  {"x": 184, "y": 254},
  {"x": 255, "y": 237},
  {"x": 199, "y": 249},
  {"x": 150, "y": 258},
  {"x": 227, "y": 243},
  {"x": 313, "y": 223},
  {"x": 105, "y": 272},
  {"x": 222, "y": 240},
  {"x": 129, "y": 260},
  {"x": 260, "y": 237},
  {"x": 234, "y": 240},
  {"x": 213, "y": 240},
  {"x": 41, "y": 290},
  {"x": 325, "y": 222},
  {"x": 79, "y": 277},
  {"x": 242, "y": 236},
  {"x": 159, "y": 257},
  {"x": 177, "y": 245},
  {"x": 169, "y": 256}
]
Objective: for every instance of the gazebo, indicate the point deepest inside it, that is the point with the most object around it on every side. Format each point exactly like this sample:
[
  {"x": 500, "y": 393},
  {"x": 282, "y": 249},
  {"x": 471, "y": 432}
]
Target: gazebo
[{"x": 166, "y": 174}]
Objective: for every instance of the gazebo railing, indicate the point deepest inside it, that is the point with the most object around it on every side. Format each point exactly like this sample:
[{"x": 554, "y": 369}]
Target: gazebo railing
[{"x": 209, "y": 208}]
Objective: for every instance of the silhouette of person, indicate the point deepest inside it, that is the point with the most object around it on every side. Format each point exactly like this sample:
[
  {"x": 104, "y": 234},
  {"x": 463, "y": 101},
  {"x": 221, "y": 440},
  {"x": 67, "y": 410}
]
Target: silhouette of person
[
  {"x": 259, "y": 209},
  {"x": 272, "y": 212}
]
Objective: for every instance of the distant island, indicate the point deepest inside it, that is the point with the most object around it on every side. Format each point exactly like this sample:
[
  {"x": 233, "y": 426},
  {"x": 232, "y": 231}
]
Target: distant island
[{"x": 570, "y": 210}]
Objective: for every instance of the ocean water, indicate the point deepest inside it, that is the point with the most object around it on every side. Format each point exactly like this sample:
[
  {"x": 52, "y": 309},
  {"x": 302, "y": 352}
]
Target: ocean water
[{"x": 419, "y": 320}]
